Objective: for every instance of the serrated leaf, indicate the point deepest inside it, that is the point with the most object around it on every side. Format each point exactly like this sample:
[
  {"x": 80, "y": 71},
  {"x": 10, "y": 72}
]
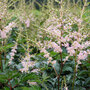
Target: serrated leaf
[
  {"x": 84, "y": 72},
  {"x": 67, "y": 68}
]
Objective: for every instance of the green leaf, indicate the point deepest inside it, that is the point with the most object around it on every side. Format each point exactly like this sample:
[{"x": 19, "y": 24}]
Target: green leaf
[
  {"x": 12, "y": 74},
  {"x": 84, "y": 72},
  {"x": 57, "y": 66},
  {"x": 79, "y": 88},
  {"x": 30, "y": 76},
  {"x": 6, "y": 47},
  {"x": 28, "y": 88},
  {"x": 52, "y": 53},
  {"x": 87, "y": 81},
  {"x": 67, "y": 68},
  {"x": 44, "y": 76},
  {"x": 6, "y": 88},
  {"x": 35, "y": 88},
  {"x": 18, "y": 88},
  {"x": 3, "y": 78}
]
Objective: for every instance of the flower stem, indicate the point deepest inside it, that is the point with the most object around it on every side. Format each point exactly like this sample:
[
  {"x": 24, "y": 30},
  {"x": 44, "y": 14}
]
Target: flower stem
[
  {"x": 58, "y": 82},
  {"x": 74, "y": 76},
  {"x": 1, "y": 65}
]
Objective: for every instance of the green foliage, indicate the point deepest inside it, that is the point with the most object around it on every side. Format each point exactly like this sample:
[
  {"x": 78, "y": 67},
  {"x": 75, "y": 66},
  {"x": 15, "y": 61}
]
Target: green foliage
[
  {"x": 6, "y": 75},
  {"x": 31, "y": 76},
  {"x": 29, "y": 88},
  {"x": 46, "y": 78},
  {"x": 8, "y": 46}
]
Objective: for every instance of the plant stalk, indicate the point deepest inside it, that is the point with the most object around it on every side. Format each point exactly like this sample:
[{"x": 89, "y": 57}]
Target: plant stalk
[
  {"x": 61, "y": 17},
  {"x": 1, "y": 64},
  {"x": 74, "y": 76}
]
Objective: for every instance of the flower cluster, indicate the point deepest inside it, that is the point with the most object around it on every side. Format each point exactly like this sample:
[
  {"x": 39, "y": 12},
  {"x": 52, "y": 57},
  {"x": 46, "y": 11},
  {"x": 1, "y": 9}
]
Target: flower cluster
[
  {"x": 82, "y": 55},
  {"x": 43, "y": 50},
  {"x": 12, "y": 53},
  {"x": 6, "y": 30},
  {"x": 27, "y": 63},
  {"x": 27, "y": 22},
  {"x": 63, "y": 35}
]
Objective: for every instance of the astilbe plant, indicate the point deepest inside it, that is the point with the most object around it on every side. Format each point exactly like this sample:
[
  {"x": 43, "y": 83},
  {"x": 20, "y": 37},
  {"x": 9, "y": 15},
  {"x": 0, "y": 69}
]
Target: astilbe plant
[
  {"x": 5, "y": 28},
  {"x": 21, "y": 23},
  {"x": 24, "y": 20},
  {"x": 60, "y": 31}
]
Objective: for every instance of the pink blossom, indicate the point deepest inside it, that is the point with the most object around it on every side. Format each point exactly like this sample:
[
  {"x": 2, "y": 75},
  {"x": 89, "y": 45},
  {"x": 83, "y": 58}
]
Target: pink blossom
[
  {"x": 24, "y": 69},
  {"x": 35, "y": 70},
  {"x": 71, "y": 51},
  {"x": 27, "y": 22},
  {"x": 50, "y": 58},
  {"x": 78, "y": 61},
  {"x": 66, "y": 44},
  {"x": 76, "y": 45},
  {"x": 43, "y": 50},
  {"x": 9, "y": 27},
  {"x": 87, "y": 44},
  {"x": 66, "y": 58},
  {"x": 88, "y": 51},
  {"x": 26, "y": 64},
  {"x": 82, "y": 55},
  {"x": 3, "y": 34},
  {"x": 12, "y": 54},
  {"x": 46, "y": 55},
  {"x": 63, "y": 39},
  {"x": 67, "y": 38},
  {"x": 56, "y": 47},
  {"x": 53, "y": 62},
  {"x": 32, "y": 83}
]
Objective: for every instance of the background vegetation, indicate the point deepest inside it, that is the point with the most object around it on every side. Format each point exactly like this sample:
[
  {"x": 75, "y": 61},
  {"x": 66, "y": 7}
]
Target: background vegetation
[{"x": 24, "y": 26}]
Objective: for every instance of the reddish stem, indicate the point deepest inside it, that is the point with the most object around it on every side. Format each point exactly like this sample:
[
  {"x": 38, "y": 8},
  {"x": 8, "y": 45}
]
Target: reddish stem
[
  {"x": 60, "y": 70},
  {"x": 9, "y": 85}
]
